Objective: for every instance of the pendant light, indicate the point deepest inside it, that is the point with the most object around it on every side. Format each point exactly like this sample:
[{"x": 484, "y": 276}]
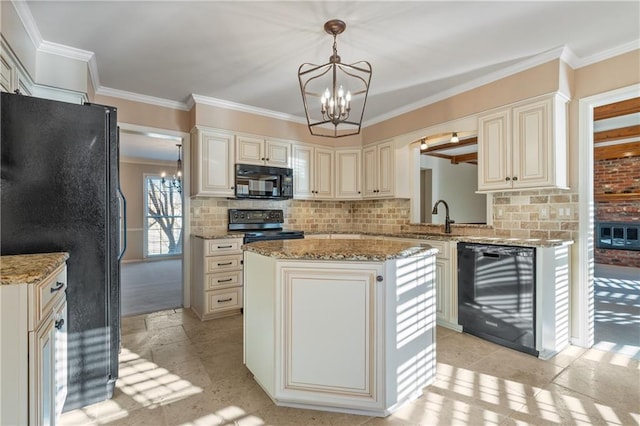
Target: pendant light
[
  {"x": 334, "y": 94},
  {"x": 176, "y": 180}
]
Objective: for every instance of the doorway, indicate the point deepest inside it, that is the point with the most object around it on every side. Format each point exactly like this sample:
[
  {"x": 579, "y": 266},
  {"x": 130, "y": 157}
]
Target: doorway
[
  {"x": 153, "y": 272},
  {"x": 591, "y": 299}
]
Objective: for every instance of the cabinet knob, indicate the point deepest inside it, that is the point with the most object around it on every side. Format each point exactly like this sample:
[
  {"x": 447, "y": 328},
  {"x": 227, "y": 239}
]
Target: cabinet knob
[
  {"x": 515, "y": 178},
  {"x": 358, "y": 192},
  {"x": 379, "y": 278},
  {"x": 232, "y": 187},
  {"x": 59, "y": 323},
  {"x": 507, "y": 178},
  {"x": 267, "y": 158},
  {"x": 262, "y": 158}
]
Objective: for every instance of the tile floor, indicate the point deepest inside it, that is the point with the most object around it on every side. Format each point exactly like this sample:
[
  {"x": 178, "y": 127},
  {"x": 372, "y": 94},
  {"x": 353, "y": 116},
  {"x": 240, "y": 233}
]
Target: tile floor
[{"x": 176, "y": 370}]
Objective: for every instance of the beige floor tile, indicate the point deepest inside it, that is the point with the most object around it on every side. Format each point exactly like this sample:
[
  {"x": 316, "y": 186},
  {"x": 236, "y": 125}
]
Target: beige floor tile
[
  {"x": 144, "y": 416},
  {"x": 284, "y": 416},
  {"x": 463, "y": 349},
  {"x": 131, "y": 325},
  {"x": 520, "y": 372},
  {"x": 443, "y": 332},
  {"x": 178, "y": 370},
  {"x": 174, "y": 353},
  {"x": 558, "y": 405},
  {"x": 437, "y": 409},
  {"x": 605, "y": 378},
  {"x": 224, "y": 401}
]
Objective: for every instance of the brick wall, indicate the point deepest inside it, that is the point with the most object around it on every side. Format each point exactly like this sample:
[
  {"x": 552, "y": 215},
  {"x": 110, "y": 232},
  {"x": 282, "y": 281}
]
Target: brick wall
[{"x": 617, "y": 176}]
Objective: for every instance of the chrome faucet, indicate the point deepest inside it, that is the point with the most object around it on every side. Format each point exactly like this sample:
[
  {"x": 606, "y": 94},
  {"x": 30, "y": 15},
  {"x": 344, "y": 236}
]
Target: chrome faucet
[{"x": 447, "y": 221}]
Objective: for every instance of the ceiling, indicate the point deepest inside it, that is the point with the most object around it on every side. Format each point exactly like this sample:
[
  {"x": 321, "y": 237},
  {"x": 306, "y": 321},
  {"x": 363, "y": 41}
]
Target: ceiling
[{"x": 248, "y": 53}]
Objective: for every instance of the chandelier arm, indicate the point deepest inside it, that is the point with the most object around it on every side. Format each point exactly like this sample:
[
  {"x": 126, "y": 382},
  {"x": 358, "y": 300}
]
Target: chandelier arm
[{"x": 364, "y": 70}]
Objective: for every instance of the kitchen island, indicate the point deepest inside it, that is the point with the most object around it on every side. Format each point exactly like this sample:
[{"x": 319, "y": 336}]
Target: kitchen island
[{"x": 340, "y": 325}]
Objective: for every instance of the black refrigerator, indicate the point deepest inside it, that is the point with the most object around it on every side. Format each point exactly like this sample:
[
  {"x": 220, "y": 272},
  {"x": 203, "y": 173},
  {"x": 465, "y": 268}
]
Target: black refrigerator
[{"x": 60, "y": 192}]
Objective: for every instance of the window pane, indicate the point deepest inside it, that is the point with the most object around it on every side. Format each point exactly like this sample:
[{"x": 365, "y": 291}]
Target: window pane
[{"x": 164, "y": 218}]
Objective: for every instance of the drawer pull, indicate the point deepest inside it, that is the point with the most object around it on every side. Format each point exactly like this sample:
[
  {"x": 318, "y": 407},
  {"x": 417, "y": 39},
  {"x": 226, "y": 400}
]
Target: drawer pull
[
  {"x": 221, "y": 247},
  {"x": 225, "y": 281},
  {"x": 225, "y": 300},
  {"x": 58, "y": 287},
  {"x": 59, "y": 323},
  {"x": 225, "y": 264}
]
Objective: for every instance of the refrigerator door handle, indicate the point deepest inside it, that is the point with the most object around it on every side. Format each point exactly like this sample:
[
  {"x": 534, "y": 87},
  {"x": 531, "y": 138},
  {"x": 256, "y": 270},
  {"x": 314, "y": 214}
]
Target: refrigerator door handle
[{"x": 123, "y": 223}]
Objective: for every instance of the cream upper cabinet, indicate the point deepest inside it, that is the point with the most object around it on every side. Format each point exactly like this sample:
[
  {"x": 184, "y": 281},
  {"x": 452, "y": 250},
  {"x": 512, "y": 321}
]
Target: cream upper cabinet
[
  {"x": 212, "y": 163},
  {"x": 379, "y": 170},
  {"x": 523, "y": 146},
  {"x": 13, "y": 77},
  {"x": 313, "y": 172},
  {"x": 348, "y": 177},
  {"x": 260, "y": 151}
]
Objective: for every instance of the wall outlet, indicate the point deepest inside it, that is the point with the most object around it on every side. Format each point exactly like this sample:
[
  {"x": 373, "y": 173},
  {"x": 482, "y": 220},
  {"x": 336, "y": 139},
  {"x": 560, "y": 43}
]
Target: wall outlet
[
  {"x": 499, "y": 213},
  {"x": 544, "y": 212}
]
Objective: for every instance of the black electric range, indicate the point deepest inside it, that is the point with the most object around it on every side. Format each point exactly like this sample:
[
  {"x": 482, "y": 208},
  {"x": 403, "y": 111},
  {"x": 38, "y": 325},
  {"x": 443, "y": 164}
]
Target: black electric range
[{"x": 260, "y": 225}]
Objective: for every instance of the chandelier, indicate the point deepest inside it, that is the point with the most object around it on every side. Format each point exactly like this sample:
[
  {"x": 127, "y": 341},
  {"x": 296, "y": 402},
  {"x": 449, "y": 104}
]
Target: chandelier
[
  {"x": 334, "y": 94},
  {"x": 176, "y": 180}
]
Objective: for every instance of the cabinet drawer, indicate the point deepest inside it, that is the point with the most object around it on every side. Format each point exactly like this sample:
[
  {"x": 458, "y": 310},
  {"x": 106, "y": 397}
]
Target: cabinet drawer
[
  {"x": 213, "y": 281},
  {"x": 48, "y": 294},
  {"x": 223, "y": 263},
  {"x": 222, "y": 300},
  {"x": 442, "y": 246},
  {"x": 222, "y": 246}
]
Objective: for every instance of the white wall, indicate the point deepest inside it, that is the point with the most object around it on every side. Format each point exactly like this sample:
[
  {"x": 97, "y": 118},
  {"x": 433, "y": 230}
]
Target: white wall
[{"x": 456, "y": 184}]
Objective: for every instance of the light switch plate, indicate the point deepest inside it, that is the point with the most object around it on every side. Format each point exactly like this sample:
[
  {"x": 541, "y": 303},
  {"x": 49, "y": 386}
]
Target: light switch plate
[{"x": 544, "y": 212}]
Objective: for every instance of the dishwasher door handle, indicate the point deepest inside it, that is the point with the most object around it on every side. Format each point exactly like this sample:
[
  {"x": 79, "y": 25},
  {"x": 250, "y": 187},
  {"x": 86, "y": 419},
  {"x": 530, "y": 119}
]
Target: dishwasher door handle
[{"x": 496, "y": 255}]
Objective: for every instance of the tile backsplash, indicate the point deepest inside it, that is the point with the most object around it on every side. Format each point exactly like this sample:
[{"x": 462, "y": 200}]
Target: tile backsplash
[{"x": 545, "y": 214}]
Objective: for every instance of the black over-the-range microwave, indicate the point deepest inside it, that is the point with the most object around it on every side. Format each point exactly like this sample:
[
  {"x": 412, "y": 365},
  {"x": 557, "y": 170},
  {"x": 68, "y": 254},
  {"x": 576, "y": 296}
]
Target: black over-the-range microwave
[{"x": 274, "y": 183}]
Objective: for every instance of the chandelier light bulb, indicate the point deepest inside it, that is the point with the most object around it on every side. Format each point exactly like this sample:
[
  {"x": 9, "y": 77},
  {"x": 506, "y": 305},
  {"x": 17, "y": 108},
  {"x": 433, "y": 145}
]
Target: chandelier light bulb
[{"x": 454, "y": 137}]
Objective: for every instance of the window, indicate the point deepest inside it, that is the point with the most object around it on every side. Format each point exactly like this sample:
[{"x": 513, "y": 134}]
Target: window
[{"x": 163, "y": 218}]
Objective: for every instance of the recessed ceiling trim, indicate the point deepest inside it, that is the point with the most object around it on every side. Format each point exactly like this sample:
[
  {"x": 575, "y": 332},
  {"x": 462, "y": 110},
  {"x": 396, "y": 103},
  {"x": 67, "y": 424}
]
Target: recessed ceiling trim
[
  {"x": 221, "y": 103},
  {"x": 136, "y": 97}
]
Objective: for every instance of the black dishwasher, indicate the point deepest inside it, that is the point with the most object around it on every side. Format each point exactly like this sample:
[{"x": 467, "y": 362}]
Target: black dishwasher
[{"x": 496, "y": 294}]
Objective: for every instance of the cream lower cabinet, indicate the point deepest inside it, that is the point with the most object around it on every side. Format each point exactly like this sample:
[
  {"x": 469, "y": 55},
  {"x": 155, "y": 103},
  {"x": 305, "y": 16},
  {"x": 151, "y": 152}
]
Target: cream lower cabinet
[
  {"x": 446, "y": 281},
  {"x": 212, "y": 163},
  {"x": 313, "y": 172},
  {"x": 216, "y": 277},
  {"x": 523, "y": 146},
  {"x": 33, "y": 355},
  {"x": 340, "y": 336}
]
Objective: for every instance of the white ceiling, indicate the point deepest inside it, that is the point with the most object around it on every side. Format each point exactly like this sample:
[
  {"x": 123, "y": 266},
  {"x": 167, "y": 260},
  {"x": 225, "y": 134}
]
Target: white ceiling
[{"x": 249, "y": 52}]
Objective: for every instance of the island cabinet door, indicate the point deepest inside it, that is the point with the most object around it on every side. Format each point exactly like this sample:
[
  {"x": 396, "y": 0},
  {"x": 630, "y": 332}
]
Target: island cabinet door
[{"x": 331, "y": 337}]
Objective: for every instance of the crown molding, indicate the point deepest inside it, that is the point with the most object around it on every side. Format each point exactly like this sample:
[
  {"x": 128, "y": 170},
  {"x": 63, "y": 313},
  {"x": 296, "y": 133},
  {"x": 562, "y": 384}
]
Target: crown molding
[
  {"x": 24, "y": 13},
  {"x": 65, "y": 51},
  {"x": 221, "y": 103},
  {"x": 136, "y": 97},
  {"x": 607, "y": 54}
]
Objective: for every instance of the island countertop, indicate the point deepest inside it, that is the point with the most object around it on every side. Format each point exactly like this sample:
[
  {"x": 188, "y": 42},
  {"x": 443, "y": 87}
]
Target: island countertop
[
  {"x": 350, "y": 250},
  {"x": 29, "y": 268}
]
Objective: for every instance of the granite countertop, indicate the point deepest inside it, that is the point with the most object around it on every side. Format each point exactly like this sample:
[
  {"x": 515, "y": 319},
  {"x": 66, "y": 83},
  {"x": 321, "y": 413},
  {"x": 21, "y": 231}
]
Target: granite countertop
[
  {"x": 217, "y": 236},
  {"x": 359, "y": 250},
  {"x": 29, "y": 268},
  {"x": 436, "y": 236}
]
